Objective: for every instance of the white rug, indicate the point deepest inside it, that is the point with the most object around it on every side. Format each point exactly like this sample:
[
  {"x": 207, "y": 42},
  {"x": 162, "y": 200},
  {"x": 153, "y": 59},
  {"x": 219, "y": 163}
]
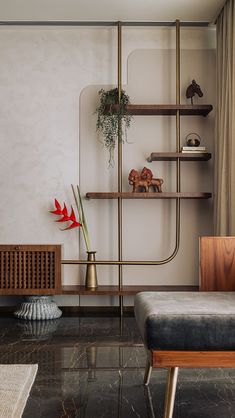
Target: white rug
[{"x": 16, "y": 381}]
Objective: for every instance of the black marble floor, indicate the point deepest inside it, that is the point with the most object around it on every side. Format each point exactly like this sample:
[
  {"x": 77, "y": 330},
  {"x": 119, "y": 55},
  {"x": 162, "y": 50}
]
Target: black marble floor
[{"x": 93, "y": 367}]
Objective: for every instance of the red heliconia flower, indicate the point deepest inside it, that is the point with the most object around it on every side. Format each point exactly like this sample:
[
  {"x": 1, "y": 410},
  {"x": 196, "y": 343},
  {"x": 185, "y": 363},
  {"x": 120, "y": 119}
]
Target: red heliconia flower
[
  {"x": 72, "y": 215},
  {"x": 74, "y": 223},
  {"x": 65, "y": 216},
  {"x": 58, "y": 209}
]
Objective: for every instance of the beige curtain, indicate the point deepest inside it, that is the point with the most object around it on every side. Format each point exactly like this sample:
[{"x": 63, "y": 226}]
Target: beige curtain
[{"x": 224, "y": 190}]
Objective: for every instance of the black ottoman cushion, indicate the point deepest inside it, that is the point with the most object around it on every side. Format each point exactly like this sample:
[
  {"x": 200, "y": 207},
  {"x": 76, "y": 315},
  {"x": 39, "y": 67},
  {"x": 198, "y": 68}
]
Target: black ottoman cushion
[{"x": 186, "y": 320}]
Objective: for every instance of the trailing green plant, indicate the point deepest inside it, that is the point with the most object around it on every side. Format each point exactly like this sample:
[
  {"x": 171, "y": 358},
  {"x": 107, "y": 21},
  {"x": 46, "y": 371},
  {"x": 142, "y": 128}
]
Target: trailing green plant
[{"x": 112, "y": 120}]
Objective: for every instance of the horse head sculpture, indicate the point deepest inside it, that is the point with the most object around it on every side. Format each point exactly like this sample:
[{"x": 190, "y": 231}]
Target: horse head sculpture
[{"x": 193, "y": 89}]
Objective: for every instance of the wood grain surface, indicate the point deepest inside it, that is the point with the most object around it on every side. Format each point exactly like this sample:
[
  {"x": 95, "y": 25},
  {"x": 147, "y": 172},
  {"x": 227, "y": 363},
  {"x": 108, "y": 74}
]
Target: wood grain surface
[
  {"x": 150, "y": 195},
  {"x": 217, "y": 263},
  {"x": 193, "y": 358},
  {"x": 30, "y": 269}
]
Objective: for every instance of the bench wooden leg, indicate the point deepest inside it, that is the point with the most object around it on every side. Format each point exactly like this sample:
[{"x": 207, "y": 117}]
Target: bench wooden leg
[
  {"x": 147, "y": 373},
  {"x": 170, "y": 392}
]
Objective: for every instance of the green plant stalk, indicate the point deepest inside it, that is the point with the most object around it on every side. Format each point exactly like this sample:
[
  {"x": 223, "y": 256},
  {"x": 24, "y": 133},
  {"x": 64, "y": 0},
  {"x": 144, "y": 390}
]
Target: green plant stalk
[{"x": 82, "y": 219}]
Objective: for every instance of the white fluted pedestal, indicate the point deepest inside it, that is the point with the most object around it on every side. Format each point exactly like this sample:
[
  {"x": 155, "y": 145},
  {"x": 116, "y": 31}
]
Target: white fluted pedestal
[{"x": 38, "y": 308}]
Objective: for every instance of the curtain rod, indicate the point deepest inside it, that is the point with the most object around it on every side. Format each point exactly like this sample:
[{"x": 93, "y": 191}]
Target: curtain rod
[{"x": 96, "y": 23}]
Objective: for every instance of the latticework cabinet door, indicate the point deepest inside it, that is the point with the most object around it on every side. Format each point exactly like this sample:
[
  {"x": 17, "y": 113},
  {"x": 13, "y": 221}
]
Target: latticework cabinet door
[{"x": 30, "y": 269}]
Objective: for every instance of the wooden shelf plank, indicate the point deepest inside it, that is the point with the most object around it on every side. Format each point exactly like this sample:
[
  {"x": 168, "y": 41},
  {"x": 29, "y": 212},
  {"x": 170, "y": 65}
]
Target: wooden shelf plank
[
  {"x": 164, "y": 195},
  {"x": 125, "y": 290},
  {"x": 183, "y": 156},
  {"x": 165, "y": 109}
]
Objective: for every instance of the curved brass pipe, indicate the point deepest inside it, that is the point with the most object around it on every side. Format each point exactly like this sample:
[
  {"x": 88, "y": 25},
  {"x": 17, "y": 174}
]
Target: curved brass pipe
[{"x": 142, "y": 262}]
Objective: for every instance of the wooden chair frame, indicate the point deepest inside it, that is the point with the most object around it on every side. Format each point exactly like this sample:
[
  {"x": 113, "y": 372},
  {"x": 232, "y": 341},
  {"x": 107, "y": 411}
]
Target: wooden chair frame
[
  {"x": 184, "y": 359},
  {"x": 217, "y": 264}
]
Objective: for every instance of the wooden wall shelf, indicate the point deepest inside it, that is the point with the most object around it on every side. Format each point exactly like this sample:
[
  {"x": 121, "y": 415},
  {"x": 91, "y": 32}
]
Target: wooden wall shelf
[
  {"x": 166, "y": 109},
  {"x": 164, "y": 195},
  {"x": 173, "y": 156},
  {"x": 124, "y": 291}
]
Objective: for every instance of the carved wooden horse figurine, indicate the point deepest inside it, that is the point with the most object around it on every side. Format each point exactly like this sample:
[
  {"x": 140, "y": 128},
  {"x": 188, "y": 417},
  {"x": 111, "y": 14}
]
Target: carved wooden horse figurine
[{"x": 192, "y": 89}]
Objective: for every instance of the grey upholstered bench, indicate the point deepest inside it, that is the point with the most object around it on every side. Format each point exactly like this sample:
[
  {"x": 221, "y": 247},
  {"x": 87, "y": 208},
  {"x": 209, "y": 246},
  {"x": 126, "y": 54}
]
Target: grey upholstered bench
[{"x": 186, "y": 329}]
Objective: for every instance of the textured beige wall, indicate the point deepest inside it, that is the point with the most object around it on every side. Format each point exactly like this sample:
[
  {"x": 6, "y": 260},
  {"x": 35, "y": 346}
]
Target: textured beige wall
[
  {"x": 49, "y": 80},
  {"x": 105, "y": 10}
]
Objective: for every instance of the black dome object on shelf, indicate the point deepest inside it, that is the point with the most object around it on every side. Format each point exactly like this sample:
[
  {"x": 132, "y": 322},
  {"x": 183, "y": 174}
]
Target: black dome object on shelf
[{"x": 193, "y": 140}]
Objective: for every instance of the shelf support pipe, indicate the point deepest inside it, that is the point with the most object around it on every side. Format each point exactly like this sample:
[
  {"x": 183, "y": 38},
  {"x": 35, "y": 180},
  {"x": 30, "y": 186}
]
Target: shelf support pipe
[
  {"x": 178, "y": 176},
  {"x": 120, "y": 164},
  {"x": 121, "y": 262}
]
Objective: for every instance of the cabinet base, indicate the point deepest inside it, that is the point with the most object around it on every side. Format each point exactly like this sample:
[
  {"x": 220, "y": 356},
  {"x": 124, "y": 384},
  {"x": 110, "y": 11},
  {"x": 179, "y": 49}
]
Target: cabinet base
[{"x": 38, "y": 308}]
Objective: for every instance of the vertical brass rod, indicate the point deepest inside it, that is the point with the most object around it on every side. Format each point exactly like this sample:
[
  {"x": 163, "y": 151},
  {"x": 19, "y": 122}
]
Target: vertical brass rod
[
  {"x": 177, "y": 25},
  {"x": 178, "y": 174},
  {"x": 120, "y": 281},
  {"x": 178, "y": 99},
  {"x": 119, "y": 27}
]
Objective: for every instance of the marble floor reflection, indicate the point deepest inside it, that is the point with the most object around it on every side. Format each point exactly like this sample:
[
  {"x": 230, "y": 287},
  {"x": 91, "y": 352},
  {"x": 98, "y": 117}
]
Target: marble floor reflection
[{"x": 93, "y": 367}]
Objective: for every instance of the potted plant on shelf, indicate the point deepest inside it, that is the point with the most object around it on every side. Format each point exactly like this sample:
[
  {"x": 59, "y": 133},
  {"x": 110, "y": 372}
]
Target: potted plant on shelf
[{"x": 113, "y": 119}]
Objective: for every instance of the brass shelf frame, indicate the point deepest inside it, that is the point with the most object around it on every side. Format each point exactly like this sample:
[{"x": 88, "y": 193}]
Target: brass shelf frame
[
  {"x": 178, "y": 186},
  {"x": 177, "y": 112},
  {"x": 120, "y": 262}
]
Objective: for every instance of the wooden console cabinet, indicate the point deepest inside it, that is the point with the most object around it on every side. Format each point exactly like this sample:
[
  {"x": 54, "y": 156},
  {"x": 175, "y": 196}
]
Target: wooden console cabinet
[{"x": 30, "y": 269}]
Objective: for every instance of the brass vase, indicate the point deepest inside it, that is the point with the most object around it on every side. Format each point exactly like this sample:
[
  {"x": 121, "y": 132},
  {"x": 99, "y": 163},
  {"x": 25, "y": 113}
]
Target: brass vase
[{"x": 91, "y": 275}]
